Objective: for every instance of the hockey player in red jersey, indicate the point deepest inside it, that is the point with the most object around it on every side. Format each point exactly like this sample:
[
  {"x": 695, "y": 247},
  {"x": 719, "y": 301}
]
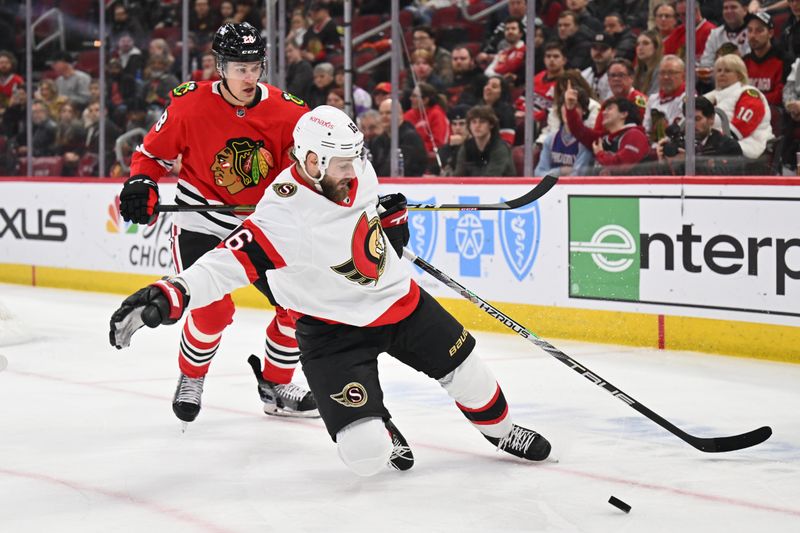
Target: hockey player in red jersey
[
  {"x": 233, "y": 137},
  {"x": 330, "y": 248}
]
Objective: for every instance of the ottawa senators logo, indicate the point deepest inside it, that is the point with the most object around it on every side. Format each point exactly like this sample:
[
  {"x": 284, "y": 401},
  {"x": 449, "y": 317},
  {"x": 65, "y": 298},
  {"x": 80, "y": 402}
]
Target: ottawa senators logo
[
  {"x": 284, "y": 190},
  {"x": 369, "y": 253},
  {"x": 353, "y": 395},
  {"x": 242, "y": 163}
]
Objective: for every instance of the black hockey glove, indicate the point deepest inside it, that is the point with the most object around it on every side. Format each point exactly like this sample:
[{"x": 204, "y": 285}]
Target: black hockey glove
[
  {"x": 162, "y": 302},
  {"x": 394, "y": 220},
  {"x": 138, "y": 200}
]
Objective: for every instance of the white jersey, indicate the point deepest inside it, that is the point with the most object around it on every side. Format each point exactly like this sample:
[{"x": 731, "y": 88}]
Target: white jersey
[
  {"x": 671, "y": 107},
  {"x": 326, "y": 260}
]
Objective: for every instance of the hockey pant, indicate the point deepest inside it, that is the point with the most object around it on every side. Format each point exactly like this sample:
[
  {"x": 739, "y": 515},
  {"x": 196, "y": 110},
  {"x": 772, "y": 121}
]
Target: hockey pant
[{"x": 202, "y": 330}]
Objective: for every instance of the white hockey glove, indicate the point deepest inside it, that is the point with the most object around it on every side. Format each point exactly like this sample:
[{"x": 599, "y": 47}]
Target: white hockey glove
[{"x": 162, "y": 302}]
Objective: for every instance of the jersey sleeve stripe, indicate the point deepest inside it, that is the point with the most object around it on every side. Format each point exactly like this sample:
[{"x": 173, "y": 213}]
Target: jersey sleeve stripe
[
  {"x": 263, "y": 249},
  {"x": 166, "y": 163}
]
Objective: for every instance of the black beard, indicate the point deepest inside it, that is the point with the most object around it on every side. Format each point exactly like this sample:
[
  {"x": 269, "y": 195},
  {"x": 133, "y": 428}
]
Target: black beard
[{"x": 330, "y": 191}]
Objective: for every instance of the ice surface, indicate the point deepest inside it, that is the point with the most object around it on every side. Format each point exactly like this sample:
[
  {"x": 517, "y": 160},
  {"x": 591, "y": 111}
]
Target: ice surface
[{"x": 89, "y": 442}]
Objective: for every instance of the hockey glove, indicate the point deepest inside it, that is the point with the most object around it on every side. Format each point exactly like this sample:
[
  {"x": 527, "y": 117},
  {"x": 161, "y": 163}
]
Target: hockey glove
[
  {"x": 394, "y": 220},
  {"x": 138, "y": 200},
  {"x": 162, "y": 302}
]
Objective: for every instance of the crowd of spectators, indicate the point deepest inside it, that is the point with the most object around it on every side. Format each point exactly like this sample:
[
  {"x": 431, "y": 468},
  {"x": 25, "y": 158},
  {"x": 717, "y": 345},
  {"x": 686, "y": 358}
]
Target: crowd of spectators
[{"x": 608, "y": 90}]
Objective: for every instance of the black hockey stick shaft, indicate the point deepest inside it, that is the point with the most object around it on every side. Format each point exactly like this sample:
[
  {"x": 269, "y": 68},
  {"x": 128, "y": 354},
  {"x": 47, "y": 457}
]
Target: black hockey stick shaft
[
  {"x": 534, "y": 194},
  {"x": 712, "y": 444}
]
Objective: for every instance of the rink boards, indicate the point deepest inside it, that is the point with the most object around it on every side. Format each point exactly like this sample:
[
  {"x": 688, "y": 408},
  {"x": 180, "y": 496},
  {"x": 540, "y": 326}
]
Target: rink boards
[{"x": 709, "y": 264}]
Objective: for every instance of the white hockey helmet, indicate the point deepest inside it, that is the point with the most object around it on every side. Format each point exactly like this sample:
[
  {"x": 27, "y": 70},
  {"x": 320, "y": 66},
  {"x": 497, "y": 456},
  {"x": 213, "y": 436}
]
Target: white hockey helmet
[{"x": 328, "y": 132}]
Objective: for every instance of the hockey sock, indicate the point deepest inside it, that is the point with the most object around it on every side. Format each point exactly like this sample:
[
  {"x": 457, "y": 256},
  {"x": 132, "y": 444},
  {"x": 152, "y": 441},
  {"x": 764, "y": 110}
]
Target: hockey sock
[
  {"x": 280, "y": 349},
  {"x": 202, "y": 333},
  {"x": 478, "y": 395}
]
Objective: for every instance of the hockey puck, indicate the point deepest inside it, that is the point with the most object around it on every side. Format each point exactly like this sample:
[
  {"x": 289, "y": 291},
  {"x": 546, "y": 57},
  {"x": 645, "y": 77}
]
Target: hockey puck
[{"x": 619, "y": 504}]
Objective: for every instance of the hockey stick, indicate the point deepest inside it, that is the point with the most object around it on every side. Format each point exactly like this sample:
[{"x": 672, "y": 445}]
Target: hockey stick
[
  {"x": 711, "y": 444},
  {"x": 534, "y": 194}
]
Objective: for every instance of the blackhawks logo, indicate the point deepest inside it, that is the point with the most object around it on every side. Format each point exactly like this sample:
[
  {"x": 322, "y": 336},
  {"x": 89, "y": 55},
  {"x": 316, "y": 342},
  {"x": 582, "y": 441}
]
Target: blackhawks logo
[
  {"x": 242, "y": 163},
  {"x": 184, "y": 88},
  {"x": 368, "y": 250}
]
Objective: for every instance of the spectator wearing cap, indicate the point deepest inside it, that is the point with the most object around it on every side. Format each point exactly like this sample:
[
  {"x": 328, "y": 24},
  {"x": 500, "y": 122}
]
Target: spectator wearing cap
[
  {"x": 675, "y": 43},
  {"x": 322, "y": 39},
  {"x": 622, "y": 36},
  {"x": 576, "y": 43},
  {"x": 424, "y": 39},
  {"x": 458, "y": 134},
  {"x": 510, "y": 62},
  {"x": 621, "y": 144},
  {"x": 620, "y": 81},
  {"x": 562, "y": 154},
  {"x": 648, "y": 59},
  {"x": 468, "y": 78},
  {"x": 596, "y": 74},
  {"x": 764, "y": 62},
  {"x": 744, "y": 106},
  {"x": 734, "y": 30},
  {"x": 484, "y": 153},
  {"x": 381, "y": 92},
  {"x": 72, "y": 83},
  {"x": 299, "y": 72}
]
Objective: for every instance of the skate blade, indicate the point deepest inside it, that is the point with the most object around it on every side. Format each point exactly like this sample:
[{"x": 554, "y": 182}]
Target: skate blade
[
  {"x": 184, "y": 425},
  {"x": 274, "y": 411}
]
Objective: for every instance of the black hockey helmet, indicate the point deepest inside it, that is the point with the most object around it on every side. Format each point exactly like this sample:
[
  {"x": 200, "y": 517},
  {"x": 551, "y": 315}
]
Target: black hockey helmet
[{"x": 239, "y": 42}]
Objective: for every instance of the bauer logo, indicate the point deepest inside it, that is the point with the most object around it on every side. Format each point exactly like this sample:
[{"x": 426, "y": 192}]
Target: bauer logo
[
  {"x": 603, "y": 248},
  {"x": 520, "y": 230},
  {"x": 353, "y": 395},
  {"x": 470, "y": 237},
  {"x": 422, "y": 226}
]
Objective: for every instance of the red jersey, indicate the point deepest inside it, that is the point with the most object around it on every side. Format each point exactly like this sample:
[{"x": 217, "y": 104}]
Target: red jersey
[
  {"x": 436, "y": 125},
  {"x": 675, "y": 43},
  {"x": 229, "y": 154},
  {"x": 7, "y": 86},
  {"x": 544, "y": 89},
  {"x": 766, "y": 74}
]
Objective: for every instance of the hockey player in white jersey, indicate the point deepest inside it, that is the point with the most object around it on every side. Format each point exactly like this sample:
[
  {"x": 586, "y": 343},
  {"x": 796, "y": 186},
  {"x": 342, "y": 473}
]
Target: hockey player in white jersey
[{"x": 326, "y": 241}]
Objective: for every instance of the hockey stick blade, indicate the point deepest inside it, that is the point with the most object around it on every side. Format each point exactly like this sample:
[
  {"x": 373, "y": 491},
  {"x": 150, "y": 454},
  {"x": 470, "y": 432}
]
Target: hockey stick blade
[
  {"x": 534, "y": 194},
  {"x": 709, "y": 445}
]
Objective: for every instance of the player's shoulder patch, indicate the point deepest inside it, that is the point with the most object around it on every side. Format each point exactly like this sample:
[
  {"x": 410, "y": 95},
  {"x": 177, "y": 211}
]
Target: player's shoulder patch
[
  {"x": 183, "y": 89},
  {"x": 293, "y": 99},
  {"x": 284, "y": 190},
  {"x": 752, "y": 93}
]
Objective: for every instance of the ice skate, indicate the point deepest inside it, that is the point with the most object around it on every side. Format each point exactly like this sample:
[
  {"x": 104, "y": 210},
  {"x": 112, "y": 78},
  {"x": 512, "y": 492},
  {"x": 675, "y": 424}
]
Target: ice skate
[
  {"x": 186, "y": 402},
  {"x": 401, "y": 458},
  {"x": 283, "y": 399},
  {"x": 524, "y": 443}
]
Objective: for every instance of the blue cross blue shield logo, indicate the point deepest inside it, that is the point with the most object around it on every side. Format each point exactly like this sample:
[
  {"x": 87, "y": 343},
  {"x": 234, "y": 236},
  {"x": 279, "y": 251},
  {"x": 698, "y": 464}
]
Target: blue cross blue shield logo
[
  {"x": 520, "y": 231},
  {"x": 422, "y": 225},
  {"x": 470, "y": 237}
]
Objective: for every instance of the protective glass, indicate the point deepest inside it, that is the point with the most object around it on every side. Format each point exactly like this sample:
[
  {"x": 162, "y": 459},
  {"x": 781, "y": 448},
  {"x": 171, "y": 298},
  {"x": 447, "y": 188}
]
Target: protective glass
[{"x": 346, "y": 167}]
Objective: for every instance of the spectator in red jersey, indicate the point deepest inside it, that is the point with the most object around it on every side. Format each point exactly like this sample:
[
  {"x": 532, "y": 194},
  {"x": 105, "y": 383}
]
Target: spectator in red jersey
[
  {"x": 496, "y": 40},
  {"x": 764, "y": 62},
  {"x": 620, "y": 80},
  {"x": 510, "y": 62},
  {"x": 208, "y": 69},
  {"x": 544, "y": 83},
  {"x": 744, "y": 106},
  {"x": 666, "y": 18},
  {"x": 322, "y": 39},
  {"x": 9, "y": 80},
  {"x": 428, "y": 117},
  {"x": 621, "y": 145},
  {"x": 675, "y": 43},
  {"x": 496, "y": 95}
]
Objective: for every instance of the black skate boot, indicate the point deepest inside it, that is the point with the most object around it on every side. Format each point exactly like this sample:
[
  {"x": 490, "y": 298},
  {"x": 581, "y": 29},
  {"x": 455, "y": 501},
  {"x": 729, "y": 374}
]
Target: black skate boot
[
  {"x": 186, "y": 402},
  {"x": 283, "y": 399},
  {"x": 524, "y": 443},
  {"x": 401, "y": 458}
]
